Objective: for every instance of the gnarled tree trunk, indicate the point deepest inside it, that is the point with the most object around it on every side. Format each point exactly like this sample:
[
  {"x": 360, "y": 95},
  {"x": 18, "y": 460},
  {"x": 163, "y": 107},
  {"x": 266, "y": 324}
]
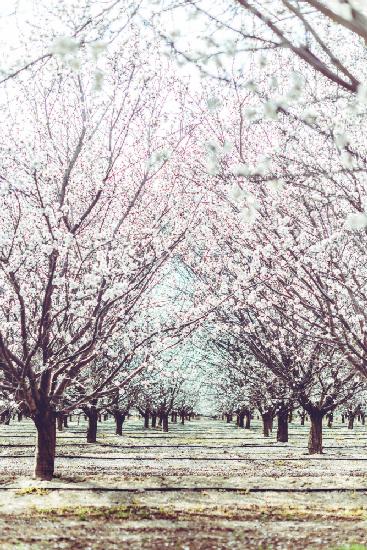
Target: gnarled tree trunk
[{"x": 45, "y": 421}]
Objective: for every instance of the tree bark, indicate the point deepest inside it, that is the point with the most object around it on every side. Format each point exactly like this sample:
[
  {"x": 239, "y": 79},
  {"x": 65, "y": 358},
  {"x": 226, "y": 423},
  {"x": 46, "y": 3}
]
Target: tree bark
[
  {"x": 45, "y": 421},
  {"x": 60, "y": 422},
  {"x": 248, "y": 421},
  {"x": 266, "y": 418},
  {"x": 330, "y": 418},
  {"x": 351, "y": 421},
  {"x": 165, "y": 423},
  {"x": 315, "y": 437},
  {"x": 66, "y": 425},
  {"x": 119, "y": 420},
  {"x": 282, "y": 431},
  {"x": 146, "y": 420},
  {"x": 154, "y": 420},
  {"x": 182, "y": 419},
  {"x": 92, "y": 425}
]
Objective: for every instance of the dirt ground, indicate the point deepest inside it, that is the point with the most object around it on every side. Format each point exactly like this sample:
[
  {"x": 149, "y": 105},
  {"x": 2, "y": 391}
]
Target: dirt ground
[{"x": 191, "y": 489}]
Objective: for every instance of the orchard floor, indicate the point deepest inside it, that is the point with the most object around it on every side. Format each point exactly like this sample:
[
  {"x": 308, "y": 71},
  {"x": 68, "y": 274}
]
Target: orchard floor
[{"x": 206, "y": 485}]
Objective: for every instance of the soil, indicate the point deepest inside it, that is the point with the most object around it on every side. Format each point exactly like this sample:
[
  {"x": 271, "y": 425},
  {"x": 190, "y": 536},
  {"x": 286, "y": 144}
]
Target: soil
[{"x": 109, "y": 496}]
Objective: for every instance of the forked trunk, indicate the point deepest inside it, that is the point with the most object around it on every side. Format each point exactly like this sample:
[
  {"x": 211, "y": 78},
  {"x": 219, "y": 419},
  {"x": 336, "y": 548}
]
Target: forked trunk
[
  {"x": 45, "y": 422},
  {"x": 315, "y": 437},
  {"x": 282, "y": 431},
  {"x": 92, "y": 425}
]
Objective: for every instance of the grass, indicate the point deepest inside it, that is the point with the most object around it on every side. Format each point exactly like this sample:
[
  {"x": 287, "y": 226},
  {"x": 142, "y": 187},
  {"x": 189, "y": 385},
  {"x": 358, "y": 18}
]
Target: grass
[
  {"x": 122, "y": 512},
  {"x": 137, "y": 511},
  {"x": 32, "y": 491}
]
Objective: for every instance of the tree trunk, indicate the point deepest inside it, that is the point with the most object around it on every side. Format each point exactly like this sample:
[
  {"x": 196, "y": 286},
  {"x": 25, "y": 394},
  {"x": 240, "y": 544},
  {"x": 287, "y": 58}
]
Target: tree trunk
[
  {"x": 330, "y": 419},
  {"x": 154, "y": 420},
  {"x": 119, "y": 419},
  {"x": 165, "y": 423},
  {"x": 45, "y": 422},
  {"x": 146, "y": 420},
  {"x": 182, "y": 419},
  {"x": 343, "y": 419},
  {"x": 66, "y": 425},
  {"x": 60, "y": 422},
  {"x": 92, "y": 425},
  {"x": 282, "y": 431},
  {"x": 248, "y": 421},
  {"x": 303, "y": 418},
  {"x": 266, "y": 418},
  {"x": 241, "y": 420},
  {"x": 351, "y": 421},
  {"x": 315, "y": 437}
]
